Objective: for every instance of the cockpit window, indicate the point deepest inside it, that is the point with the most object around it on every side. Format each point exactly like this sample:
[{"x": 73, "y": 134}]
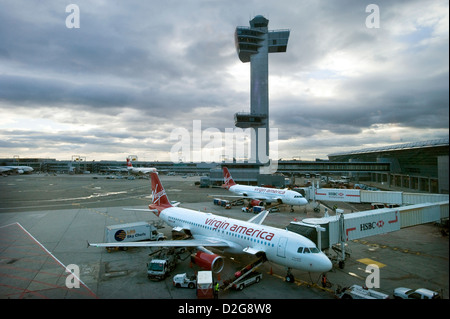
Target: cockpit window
[
  {"x": 298, "y": 196},
  {"x": 308, "y": 250}
]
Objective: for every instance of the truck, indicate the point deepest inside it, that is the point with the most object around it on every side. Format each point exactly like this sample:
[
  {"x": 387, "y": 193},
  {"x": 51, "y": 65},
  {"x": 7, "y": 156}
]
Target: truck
[
  {"x": 205, "y": 182},
  {"x": 162, "y": 264},
  {"x": 205, "y": 285},
  {"x": 250, "y": 279},
  {"x": 359, "y": 292},
  {"x": 185, "y": 280},
  {"x": 131, "y": 232}
]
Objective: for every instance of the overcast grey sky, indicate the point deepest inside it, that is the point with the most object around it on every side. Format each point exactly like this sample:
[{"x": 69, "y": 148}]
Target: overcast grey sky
[{"x": 136, "y": 70}]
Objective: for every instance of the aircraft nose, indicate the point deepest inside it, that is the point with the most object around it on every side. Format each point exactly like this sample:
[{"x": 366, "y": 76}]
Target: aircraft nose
[
  {"x": 303, "y": 201},
  {"x": 321, "y": 264}
]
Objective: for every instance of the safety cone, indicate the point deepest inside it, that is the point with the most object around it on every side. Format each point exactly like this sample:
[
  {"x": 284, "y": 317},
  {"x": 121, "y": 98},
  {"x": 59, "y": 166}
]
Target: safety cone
[{"x": 271, "y": 271}]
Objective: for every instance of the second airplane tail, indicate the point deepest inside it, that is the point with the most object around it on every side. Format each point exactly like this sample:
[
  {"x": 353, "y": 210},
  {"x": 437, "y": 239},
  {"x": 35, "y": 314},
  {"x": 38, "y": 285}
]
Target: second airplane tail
[
  {"x": 227, "y": 178},
  {"x": 129, "y": 165}
]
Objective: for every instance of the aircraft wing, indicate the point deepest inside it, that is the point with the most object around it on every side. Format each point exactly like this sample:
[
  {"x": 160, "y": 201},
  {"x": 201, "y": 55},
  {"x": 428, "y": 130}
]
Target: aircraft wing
[
  {"x": 252, "y": 251},
  {"x": 258, "y": 219},
  {"x": 167, "y": 243}
]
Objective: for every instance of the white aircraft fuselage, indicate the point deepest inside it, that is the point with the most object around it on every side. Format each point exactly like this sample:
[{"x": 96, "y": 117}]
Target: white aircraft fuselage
[
  {"x": 266, "y": 194},
  {"x": 280, "y": 246},
  {"x": 269, "y": 195},
  {"x": 18, "y": 169}
]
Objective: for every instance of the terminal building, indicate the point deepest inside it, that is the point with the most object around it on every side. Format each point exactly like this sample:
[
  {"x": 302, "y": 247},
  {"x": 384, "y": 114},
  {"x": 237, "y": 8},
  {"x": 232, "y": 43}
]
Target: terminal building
[{"x": 416, "y": 167}]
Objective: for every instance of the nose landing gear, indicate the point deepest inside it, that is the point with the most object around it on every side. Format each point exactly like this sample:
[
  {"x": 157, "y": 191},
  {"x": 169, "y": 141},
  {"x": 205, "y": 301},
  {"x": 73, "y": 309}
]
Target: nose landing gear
[{"x": 289, "y": 276}]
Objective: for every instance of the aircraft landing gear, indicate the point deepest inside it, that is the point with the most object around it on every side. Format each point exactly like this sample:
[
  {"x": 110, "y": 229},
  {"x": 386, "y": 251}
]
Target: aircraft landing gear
[
  {"x": 292, "y": 208},
  {"x": 289, "y": 276}
]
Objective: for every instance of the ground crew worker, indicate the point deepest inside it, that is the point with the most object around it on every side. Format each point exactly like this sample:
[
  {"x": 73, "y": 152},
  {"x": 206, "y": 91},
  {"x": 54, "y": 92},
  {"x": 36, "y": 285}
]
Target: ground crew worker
[
  {"x": 216, "y": 290},
  {"x": 324, "y": 280}
]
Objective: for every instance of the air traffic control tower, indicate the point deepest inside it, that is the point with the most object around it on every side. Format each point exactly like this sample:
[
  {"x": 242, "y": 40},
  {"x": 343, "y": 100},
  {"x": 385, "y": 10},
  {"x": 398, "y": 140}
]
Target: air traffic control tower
[{"x": 253, "y": 44}]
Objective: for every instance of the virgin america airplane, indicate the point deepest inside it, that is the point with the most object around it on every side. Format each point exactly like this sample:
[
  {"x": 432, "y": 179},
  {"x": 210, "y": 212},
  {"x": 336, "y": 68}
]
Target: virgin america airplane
[
  {"x": 230, "y": 235},
  {"x": 262, "y": 194},
  {"x": 139, "y": 170}
]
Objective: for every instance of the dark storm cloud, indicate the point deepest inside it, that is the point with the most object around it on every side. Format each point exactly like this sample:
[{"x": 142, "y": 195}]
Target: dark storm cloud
[{"x": 28, "y": 90}]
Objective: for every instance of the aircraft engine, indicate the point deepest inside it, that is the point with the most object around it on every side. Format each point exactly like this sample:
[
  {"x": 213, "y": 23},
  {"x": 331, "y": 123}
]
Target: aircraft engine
[
  {"x": 256, "y": 202},
  {"x": 208, "y": 261}
]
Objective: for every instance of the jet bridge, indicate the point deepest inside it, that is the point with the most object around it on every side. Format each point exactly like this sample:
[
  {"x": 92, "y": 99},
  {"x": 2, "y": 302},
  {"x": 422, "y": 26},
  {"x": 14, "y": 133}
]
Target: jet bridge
[
  {"x": 364, "y": 196},
  {"x": 327, "y": 232}
]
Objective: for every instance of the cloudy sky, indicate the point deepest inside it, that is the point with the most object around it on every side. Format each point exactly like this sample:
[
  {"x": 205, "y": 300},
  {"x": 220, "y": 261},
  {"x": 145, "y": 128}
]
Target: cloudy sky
[{"x": 134, "y": 71}]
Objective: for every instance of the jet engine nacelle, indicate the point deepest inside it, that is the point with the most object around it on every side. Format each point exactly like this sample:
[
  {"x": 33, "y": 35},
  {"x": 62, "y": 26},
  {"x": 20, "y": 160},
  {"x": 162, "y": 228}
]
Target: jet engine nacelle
[
  {"x": 208, "y": 261},
  {"x": 256, "y": 202}
]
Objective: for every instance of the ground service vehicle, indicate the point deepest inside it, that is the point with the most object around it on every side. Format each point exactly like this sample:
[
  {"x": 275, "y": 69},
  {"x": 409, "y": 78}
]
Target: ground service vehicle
[
  {"x": 131, "y": 232},
  {"x": 160, "y": 266},
  {"x": 250, "y": 279},
  {"x": 205, "y": 285},
  {"x": 183, "y": 280},
  {"x": 421, "y": 293},
  {"x": 358, "y": 292}
]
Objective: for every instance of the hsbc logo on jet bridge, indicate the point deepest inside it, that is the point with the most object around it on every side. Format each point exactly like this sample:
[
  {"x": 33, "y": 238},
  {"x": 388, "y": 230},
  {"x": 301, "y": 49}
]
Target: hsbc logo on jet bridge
[
  {"x": 363, "y": 224},
  {"x": 371, "y": 225}
]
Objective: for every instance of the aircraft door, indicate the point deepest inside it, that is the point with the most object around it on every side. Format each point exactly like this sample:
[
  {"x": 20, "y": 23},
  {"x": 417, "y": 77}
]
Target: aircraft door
[{"x": 281, "y": 251}]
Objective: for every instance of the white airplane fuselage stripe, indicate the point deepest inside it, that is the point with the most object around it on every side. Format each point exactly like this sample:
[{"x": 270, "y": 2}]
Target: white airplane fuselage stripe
[{"x": 279, "y": 245}]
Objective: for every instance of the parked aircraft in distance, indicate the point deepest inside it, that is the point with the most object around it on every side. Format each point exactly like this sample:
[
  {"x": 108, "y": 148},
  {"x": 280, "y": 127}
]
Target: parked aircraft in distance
[
  {"x": 139, "y": 170},
  {"x": 16, "y": 169},
  {"x": 280, "y": 246}
]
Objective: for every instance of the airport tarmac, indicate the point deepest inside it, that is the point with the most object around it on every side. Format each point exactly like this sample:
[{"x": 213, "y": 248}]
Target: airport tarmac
[{"x": 46, "y": 221}]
